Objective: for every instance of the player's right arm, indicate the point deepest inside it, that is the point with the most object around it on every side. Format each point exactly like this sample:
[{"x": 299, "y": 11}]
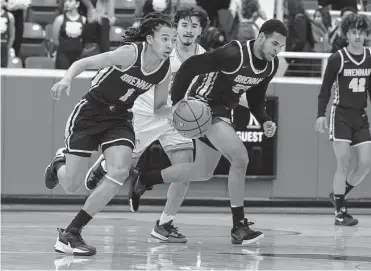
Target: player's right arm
[
  {"x": 332, "y": 70},
  {"x": 123, "y": 56},
  {"x": 226, "y": 58}
]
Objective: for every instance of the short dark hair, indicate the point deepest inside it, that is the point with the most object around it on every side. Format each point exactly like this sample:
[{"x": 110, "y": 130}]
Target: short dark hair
[
  {"x": 348, "y": 8},
  {"x": 273, "y": 25},
  {"x": 186, "y": 11},
  {"x": 355, "y": 21}
]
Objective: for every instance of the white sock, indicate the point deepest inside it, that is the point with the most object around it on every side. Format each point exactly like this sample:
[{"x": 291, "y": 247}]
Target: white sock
[
  {"x": 164, "y": 218},
  {"x": 103, "y": 164}
]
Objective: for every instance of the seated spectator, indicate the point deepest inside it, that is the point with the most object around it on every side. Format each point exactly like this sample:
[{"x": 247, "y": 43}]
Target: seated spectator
[
  {"x": 320, "y": 28},
  {"x": 336, "y": 38},
  {"x": 7, "y": 34},
  {"x": 18, "y": 9},
  {"x": 67, "y": 35}
]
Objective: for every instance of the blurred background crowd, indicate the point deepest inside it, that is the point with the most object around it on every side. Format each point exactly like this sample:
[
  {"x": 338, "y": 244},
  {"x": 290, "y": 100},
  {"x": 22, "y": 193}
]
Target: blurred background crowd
[{"x": 55, "y": 33}]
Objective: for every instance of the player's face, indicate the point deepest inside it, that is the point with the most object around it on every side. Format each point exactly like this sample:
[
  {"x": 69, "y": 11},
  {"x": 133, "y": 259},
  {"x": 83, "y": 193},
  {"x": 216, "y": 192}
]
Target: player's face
[
  {"x": 188, "y": 30},
  {"x": 272, "y": 45},
  {"x": 163, "y": 41},
  {"x": 356, "y": 37},
  {"x": 70, "y": 5}
]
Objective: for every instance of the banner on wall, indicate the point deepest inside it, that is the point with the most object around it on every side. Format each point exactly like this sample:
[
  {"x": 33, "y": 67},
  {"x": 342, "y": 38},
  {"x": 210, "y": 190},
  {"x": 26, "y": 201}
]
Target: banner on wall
[{"x": 262, "y": 150}]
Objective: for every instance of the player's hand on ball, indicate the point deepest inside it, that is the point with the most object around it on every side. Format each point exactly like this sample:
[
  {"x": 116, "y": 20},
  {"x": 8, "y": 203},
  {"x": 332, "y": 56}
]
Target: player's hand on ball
[
  {"x": 59, "y": 88},
  {"x": 269, "y": 128},
  {"x": 320, "y": 123}
]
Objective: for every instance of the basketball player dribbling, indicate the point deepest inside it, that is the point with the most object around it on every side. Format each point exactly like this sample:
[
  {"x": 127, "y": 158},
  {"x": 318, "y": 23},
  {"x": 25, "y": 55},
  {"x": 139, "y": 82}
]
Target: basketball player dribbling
[
  {"x": 190, "y": 20},
  {"x": 104, "y": 118},
  {"x": 227, "y": 72},
  {"x": 349, "y": 71}
]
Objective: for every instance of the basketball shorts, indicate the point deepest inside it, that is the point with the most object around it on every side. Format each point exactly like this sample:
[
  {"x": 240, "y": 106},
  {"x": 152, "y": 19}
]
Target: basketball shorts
[
  {"x": 93, "y": 124},
  {"x": 349, "y": 124},
  {"x": 220, "y": 113},
  {"x": 150, "y": 128}
]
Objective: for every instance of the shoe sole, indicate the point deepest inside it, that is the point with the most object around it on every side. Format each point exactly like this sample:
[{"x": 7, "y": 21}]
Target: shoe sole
[
  {"x": 65, "y": 249},
  {"x": 164, "y": 239},
  {"x": 46, "y": 181},
  {"x": 246, "y": 242},
  {"x": 130, "y": 195},
  {"x": 346, "y": 225},
  {"x": 90, "y": 170}
]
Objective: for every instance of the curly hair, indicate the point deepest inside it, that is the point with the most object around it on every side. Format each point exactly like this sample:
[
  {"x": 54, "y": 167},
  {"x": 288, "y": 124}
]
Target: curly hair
[
  {"x": 186, "y": 11},
  {"x": 355, "y": 21},
  {"x": 147, "y": 26}
]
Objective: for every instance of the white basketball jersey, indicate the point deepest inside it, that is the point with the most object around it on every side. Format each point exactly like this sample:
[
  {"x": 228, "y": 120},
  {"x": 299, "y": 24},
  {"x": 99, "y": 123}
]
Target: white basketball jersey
[{"x": 143, "y": 105}]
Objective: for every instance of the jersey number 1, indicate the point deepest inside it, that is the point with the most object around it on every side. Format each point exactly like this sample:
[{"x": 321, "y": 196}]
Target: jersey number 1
[
  {"x": 357, "y": 84},
  {"x": 127, "y": 95}
]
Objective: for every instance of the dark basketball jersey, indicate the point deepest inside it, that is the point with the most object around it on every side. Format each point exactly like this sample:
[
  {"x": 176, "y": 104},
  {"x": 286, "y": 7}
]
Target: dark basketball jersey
[
  {"x": 113, "y": 85},
  {"x": 350, "y": 75},
  {"x": 70, "y": 34},
  {"x": 4, "y": 24},
  {"x": 353, "y": 80},
  {"x": 225, "y": 88}
]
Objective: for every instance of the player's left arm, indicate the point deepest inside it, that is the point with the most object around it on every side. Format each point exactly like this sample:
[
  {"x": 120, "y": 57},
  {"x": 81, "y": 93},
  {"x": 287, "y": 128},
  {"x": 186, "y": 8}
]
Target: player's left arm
[
  {"x": 161, "y": 109},
  {"x": 256, "y": 99}
]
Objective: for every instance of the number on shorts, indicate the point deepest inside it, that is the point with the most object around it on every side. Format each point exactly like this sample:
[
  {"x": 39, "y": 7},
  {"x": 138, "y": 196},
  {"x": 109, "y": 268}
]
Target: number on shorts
[
  {"x": 357, "y": 84},
  {"x": 127, "y": 95}
]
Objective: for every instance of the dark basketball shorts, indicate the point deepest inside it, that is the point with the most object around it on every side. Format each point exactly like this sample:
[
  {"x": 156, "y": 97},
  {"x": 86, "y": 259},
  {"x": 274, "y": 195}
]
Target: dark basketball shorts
[
  {"x": 92, "y": 124},
  {"x": 350, "y": 125},
  {"x": 219, "y": 113}
]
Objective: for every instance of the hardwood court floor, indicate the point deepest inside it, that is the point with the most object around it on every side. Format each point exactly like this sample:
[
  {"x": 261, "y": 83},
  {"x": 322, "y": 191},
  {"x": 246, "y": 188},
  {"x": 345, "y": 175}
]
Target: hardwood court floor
[{"x": 292, "y": 241}]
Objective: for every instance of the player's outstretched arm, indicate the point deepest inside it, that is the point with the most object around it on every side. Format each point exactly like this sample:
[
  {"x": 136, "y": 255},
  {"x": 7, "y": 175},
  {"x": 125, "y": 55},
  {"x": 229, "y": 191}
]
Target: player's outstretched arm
[
  {"x": 226, "y": 58},
  {"x": 123, "y": 56},
  {"x": 332, "y": 69}
]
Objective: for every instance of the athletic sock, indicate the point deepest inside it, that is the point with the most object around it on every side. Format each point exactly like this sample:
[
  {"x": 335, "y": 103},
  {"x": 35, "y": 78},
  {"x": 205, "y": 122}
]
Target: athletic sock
[
  {"x": 339, "y": 202},
  {"x": 164, "y": 218},
  {"x": 80, "y": 220},
  {"x": 348, "y": 188},
  {"x": 238, "y": 214}
]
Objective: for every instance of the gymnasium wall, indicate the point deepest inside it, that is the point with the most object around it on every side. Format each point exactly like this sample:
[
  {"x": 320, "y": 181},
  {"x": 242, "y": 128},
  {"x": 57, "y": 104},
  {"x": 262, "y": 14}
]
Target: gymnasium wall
[{"x": 32, "y": 129}]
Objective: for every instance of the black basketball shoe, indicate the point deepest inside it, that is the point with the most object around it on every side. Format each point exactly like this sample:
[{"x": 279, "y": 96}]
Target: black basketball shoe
[
  {"x": 342, "y": 218},
  {"x": 95, "y": 174},
  {"x": 72, "y": 243},
  {"x": 136, "y": 189},
  {"x": 242, "y": 234},
  {"x": 168, "y": 233},
  {"x": 50, "y": 175}
]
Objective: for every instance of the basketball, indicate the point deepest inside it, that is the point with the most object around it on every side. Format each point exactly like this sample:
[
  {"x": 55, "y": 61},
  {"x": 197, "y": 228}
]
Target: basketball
[{"x": 192, "y": 118}]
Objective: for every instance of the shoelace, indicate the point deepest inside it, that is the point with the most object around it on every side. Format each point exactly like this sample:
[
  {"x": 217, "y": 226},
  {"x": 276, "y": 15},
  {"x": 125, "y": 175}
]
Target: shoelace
[
  {"x": 347, "y": 215},
  {"x": 172, "y": 229}
]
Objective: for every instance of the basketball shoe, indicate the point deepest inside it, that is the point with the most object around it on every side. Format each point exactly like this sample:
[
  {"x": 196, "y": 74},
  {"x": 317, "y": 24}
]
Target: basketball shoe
[
  {"x": 242, "y": 234},
  {"x": 72, "y": 243},
  {"x": 342, "y": 218},
  {"x": 95, "y": 174},
  {"x": 167, "y": 233},
  {"x": 136, "y": 189},
  {"x": 50, "y": 175}
]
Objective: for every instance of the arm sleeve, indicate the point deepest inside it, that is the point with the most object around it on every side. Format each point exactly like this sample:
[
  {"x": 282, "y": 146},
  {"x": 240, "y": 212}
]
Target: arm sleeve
[
  {"x": 226, "y": 58},
  {"x": 255, "y": 97},
  {"x": 332, "y": 69}
]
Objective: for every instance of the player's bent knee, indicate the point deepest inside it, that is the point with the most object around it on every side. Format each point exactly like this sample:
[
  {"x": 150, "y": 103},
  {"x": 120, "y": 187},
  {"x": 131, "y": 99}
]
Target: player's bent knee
[
  {"x": 117, "y": 175},
  {"x": 240, "y": 160}
]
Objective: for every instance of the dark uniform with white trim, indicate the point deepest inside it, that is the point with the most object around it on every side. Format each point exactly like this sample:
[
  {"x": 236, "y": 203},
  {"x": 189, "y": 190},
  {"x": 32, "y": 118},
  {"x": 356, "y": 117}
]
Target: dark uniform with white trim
[
  {"x": 103, "y": 117},
  {"x": 350, "y": 76},
  {"x": 229, "y": 71}
]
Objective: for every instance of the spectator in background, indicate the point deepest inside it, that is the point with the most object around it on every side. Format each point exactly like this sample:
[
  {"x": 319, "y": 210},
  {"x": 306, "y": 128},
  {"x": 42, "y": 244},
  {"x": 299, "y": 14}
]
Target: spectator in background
[
  {"x": 144, "y": 7},
  {"x": 18, "y": 8},
  {"x": 67, "y": 34},
  {"x": 321, "y": 25},
  {"x": 7, "y": 33},
  {"x": 100, "y": 16},
  {"x": 337, "y": 40},
  {"x": 300, "y": 37}
]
